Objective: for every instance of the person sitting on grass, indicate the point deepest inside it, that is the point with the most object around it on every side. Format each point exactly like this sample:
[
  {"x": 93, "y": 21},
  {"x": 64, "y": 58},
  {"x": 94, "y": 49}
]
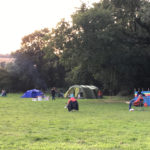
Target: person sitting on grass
[
  {"x": 136, "y": 102},
  {"x": 3, "y": 93},
  {"x": 72, "y": 104}
]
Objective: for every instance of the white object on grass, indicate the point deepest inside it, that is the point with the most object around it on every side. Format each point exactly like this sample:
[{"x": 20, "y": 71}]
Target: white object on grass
[{"x": 131, "y": 109}]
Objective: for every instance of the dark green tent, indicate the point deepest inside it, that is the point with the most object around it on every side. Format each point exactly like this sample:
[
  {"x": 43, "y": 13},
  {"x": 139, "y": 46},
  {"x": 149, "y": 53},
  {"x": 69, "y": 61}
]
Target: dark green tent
[{"x": 82, "y": 91}]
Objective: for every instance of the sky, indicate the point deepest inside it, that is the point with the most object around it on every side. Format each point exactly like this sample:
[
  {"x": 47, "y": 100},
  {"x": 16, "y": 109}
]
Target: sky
[{"x": 19, "y": 18}]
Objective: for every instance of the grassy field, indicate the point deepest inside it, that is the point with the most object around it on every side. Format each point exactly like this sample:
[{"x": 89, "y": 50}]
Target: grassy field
[{"x": 104, "y": 124}]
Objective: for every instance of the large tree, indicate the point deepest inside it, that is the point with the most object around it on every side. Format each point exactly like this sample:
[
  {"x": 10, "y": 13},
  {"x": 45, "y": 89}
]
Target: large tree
[
  {"x": 34, "y": 66},
  {"x": 107, "y": 46}
]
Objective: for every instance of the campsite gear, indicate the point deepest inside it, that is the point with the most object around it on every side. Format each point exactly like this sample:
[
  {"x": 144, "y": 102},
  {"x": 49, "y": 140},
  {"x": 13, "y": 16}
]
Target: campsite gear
[
  {"x": 34, "y": 99},
  {"x": 34, "y": 93},
  {"x": 72, "y": 104},
  {"x": 46, "y": 98},
  {"x": 139, "y": 102},
  {"x": 85, "y": 91},
  {"x": 39, "y": 98},
  {"x": 145, "y": 104},
  {"x": 146, "y": 96}
]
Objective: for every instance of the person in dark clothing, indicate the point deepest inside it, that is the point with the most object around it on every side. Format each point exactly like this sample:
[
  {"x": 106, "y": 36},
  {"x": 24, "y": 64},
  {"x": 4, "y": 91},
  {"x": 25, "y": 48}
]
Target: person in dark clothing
[
  {"x": 53, "y": 93},
  {"x": 72, "y": 104}
]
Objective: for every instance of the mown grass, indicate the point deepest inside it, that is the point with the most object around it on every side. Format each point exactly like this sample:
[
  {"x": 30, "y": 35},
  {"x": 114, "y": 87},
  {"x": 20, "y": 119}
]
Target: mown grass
[{"x": 104, "y": 124}]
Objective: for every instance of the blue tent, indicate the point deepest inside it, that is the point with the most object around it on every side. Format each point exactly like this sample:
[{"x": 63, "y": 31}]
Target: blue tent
[{"x": 32, "y": 93}]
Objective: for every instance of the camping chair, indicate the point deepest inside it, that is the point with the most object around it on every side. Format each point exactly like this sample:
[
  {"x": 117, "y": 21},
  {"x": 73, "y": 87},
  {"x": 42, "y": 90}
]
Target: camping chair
[{"x": 139, "y": 105}]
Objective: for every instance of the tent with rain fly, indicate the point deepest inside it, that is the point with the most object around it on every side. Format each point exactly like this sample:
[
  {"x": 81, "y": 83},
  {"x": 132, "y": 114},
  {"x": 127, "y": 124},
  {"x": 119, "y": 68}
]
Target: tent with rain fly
[
  {"x": 34, "y": 93},
  {"x": 82, "y": 91}
]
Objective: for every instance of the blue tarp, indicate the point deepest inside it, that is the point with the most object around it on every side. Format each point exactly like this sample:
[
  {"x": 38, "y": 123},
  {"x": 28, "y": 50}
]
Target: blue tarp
[{"x": 32, "y": 93}]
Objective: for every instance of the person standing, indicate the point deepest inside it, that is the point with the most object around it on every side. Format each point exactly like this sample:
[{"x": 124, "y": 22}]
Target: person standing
[
  {"x": 53, "y": 93},
  {"x": 100, "y": 94}
]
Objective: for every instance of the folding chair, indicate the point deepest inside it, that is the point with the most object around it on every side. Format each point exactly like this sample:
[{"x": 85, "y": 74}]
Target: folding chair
[{"x": 139, "y": 105}]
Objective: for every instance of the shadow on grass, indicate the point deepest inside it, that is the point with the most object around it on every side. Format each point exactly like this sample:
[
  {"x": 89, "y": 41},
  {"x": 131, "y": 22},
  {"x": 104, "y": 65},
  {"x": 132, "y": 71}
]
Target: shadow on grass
[{"x": 36, "y": 139}]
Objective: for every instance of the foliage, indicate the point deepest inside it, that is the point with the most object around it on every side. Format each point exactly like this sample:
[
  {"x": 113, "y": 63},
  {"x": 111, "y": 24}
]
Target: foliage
[
  {"x": 33, "y": 67},
  {"x": 5, "y": 80},
  {"x": 111, "y": 47},
  {"x": 106, "y": 45}
]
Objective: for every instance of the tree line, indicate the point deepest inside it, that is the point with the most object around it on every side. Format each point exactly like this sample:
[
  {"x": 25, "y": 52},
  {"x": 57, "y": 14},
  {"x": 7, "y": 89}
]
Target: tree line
[{"x": 107, "y": 45}]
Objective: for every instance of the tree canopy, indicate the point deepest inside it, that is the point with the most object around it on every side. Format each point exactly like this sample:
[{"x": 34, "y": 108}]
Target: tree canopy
[{"x": 107, "y": 45}]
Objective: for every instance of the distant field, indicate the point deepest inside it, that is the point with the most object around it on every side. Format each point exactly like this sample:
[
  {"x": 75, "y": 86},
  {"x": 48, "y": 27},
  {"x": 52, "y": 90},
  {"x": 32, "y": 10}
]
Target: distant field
[
  {"x": 104, "y": 124},
  {"x": 6, "y": 60}
]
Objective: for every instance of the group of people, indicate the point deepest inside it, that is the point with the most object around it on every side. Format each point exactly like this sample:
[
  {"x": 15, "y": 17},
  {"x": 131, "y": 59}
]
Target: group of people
[
  {"x": 73, "y": 103},
  {"x": 139, "y": 101}
]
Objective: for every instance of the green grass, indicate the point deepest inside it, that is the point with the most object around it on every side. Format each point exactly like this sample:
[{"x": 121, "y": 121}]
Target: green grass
[{"x": 104, "y": 124}]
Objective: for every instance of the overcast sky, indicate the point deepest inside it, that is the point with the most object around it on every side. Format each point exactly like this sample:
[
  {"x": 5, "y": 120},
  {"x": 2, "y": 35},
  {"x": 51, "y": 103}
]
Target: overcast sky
[{"x": 22, "y": 17}]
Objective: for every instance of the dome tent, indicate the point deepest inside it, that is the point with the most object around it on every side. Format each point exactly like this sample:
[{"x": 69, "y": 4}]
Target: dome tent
[
  {"x": 85, "y": 91},
  {"x": 32, "y": 93}
]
